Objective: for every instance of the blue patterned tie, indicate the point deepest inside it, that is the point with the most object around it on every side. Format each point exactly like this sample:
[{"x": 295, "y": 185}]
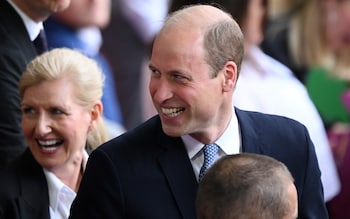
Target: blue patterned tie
[{"x": 210, "y": 151}]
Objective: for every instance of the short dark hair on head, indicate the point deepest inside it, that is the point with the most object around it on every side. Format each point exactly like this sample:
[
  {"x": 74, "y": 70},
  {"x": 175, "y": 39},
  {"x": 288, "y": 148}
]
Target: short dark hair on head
[{"x": 223, "y": 42}]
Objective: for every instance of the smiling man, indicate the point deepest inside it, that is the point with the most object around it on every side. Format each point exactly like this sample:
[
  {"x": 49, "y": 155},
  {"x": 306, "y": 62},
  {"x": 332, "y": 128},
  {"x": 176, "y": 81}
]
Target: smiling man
[{"x": 152, "y": 171}]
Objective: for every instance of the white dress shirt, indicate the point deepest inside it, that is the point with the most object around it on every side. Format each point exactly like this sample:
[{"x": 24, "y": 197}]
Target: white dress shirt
[
  {"x": 267, "y": 86},
  {"x": 229, "y": 143},
  {"x": 60, "y": 195}
]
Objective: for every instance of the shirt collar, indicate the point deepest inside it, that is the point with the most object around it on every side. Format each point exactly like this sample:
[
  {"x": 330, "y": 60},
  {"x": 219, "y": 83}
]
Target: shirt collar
[
  {"x": 229, "y": 142},
  {"x": 33, "y": 28},
  {"x": 55, "y": 185}
]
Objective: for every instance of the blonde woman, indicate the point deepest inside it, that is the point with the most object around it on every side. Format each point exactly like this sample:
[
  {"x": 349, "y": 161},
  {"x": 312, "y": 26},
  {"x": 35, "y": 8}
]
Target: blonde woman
[{"x": 61, "y": 106}]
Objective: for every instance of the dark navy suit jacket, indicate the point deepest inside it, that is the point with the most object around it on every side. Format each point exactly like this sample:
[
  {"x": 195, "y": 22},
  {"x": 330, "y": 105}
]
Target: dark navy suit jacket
[
  {"x": 147, "y": 174},
  {"x": 16, "y": 50}
]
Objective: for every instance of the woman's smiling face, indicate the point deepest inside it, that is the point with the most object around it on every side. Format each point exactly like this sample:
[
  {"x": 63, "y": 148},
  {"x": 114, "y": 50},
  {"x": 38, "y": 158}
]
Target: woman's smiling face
[{"x": 54, "y": 124}]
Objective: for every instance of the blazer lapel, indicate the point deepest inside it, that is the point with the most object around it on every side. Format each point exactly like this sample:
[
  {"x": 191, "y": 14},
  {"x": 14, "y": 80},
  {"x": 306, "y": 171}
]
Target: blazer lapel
[
  {"x": 179, "y": 172},
  {"x": 34, "y": 200}
]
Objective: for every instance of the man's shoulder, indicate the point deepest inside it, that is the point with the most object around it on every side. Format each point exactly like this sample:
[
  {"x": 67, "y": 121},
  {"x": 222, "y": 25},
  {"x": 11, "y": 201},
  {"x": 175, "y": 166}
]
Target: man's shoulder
[
  {"x": 8, "y": 15},
  {"x": 265, "y": 119},
  {"x": 12, "y": 27},
  {"x": 15, "y": 44},
  {"x": 146, "y": 134},
  {"x": 146, "y": 130},
  {"x": 280, "y": 137},
  {"x": 274, "y": 130}
]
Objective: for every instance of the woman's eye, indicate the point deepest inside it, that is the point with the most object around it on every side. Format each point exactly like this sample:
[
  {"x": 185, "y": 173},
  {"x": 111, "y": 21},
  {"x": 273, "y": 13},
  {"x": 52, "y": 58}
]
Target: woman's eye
[{"x": 57, "y": 111}]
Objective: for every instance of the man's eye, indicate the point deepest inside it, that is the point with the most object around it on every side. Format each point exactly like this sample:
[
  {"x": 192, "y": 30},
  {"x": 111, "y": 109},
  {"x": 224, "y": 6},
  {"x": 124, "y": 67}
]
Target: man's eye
[
  {"x": 28, "y": 110},
  {"x": 179, "y": 77},
  {"x": 155, "y": 72}
]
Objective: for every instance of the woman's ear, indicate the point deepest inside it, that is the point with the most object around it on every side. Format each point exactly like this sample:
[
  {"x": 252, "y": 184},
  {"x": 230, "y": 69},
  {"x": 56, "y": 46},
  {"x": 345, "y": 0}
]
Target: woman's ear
[
  {"x": 230, "y": 71},
  {"x": 95, "y": 114}
]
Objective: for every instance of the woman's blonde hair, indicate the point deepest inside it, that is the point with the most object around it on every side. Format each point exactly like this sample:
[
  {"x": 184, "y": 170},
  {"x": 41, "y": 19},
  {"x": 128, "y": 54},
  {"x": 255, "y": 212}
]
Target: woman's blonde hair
[{"x": 83, "y": 72}]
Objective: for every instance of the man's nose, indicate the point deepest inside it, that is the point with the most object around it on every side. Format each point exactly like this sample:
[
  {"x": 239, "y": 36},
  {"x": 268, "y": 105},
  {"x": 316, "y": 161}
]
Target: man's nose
[{"x": 161, "y": 91}]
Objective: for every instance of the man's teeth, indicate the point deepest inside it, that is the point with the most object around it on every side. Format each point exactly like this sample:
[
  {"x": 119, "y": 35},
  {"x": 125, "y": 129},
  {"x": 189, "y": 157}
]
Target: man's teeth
[{"x": 172, "y": 112}]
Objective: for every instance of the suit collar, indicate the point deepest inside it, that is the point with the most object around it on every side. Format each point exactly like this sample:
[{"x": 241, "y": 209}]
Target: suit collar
[
  {"x": 181, "y": 178},
  {"x": 252, "y": 139},
  {"x": 250, "y": 130}
]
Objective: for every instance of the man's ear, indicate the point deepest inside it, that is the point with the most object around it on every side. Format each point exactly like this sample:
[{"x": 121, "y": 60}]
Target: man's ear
[
  {"x": 95, "y": 113},
  {"x": 230, "y": 72}
]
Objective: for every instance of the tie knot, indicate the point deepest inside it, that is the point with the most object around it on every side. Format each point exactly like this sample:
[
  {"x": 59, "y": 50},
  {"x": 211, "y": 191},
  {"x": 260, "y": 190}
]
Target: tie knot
[{"x": 210, "y": 151}]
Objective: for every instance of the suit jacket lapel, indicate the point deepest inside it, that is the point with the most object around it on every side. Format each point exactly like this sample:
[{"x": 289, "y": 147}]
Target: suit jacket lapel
[
  {"x": 179, "y": 173},
  {"x": 33, "y": 201}
]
